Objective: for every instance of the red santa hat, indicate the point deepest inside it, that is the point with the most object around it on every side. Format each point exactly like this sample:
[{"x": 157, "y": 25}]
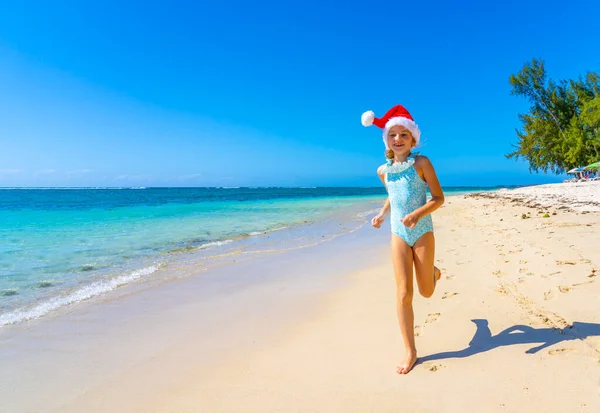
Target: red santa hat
[{"x": 398, "y": 115}]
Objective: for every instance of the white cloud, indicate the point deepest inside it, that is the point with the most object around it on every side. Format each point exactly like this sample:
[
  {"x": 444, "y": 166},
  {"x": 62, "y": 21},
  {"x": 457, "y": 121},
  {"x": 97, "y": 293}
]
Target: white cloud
[{"x": 46, "y": 171}]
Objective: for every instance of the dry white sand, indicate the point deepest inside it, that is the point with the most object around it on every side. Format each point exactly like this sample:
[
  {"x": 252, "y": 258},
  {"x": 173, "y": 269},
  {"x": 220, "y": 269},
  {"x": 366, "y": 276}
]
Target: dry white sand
[
  {"x": 578, "y": 196},
  {"x": 514, "y": 326}
]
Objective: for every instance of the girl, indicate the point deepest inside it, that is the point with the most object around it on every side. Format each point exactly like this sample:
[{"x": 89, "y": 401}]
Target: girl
[{"x": 406, "y": 177}]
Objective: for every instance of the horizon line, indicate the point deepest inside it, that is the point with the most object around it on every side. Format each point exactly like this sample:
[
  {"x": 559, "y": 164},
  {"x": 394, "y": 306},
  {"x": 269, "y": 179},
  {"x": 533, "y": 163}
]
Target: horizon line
[{"x": 249, "y": 187}]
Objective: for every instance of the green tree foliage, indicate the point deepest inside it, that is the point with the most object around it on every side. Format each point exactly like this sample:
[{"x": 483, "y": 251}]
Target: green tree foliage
[{"x": 562, "y": 128}]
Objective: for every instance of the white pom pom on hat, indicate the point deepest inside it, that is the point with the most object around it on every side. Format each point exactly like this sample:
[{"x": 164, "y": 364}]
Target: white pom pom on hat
[
  {"x": 398, "y": 115},
  {"x": 367, "y": 118}
]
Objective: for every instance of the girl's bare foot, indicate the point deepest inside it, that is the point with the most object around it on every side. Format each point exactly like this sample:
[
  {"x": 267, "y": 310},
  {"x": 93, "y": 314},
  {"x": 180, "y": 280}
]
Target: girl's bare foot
[
  {"x": 437, "y": 274},
  {"x": 409, "y": 361}
]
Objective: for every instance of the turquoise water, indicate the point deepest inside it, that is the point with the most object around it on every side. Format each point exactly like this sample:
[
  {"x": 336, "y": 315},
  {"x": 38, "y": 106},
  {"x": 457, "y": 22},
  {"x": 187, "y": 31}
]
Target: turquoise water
[{"x": 59, "y": 246}]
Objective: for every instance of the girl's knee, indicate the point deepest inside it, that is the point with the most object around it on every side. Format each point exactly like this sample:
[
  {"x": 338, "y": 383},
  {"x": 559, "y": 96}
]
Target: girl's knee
[
  {"x": 426, "y": 292},
  {"x": 405, "y": 296}
]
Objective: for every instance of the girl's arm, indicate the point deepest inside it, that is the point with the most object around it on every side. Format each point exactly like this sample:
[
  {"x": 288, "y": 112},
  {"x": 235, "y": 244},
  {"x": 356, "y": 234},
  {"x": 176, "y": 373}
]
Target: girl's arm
[
  {"x": 427, "y": 173},
  {"x": 385, "y": 210},
  {"x": 386, "y": 206}
]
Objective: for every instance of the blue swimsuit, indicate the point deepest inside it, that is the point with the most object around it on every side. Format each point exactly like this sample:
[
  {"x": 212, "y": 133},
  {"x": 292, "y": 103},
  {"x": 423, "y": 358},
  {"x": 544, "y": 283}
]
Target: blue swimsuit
[{"x": 407, "y": 192}]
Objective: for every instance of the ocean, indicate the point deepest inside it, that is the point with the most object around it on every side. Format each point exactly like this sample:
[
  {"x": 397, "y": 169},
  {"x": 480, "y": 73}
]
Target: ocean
[{"x": 60, "y": 246}]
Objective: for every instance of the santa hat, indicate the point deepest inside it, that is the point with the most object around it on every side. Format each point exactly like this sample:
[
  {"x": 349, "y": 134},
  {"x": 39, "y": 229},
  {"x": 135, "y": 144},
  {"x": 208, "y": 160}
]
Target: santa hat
[{"x": 396, "y": 116}]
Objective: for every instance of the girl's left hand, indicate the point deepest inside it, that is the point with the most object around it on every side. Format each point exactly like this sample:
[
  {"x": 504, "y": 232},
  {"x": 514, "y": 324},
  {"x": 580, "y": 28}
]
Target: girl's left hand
[{"x": 410, "y": 220}]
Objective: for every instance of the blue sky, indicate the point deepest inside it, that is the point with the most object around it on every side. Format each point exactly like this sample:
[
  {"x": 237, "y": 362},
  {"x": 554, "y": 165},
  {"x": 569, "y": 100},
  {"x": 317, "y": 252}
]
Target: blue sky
[{"x": 187, "y": 93}]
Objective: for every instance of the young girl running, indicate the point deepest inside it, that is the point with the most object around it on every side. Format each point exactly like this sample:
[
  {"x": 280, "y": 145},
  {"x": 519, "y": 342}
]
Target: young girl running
[{"x": 406, "y": 178}]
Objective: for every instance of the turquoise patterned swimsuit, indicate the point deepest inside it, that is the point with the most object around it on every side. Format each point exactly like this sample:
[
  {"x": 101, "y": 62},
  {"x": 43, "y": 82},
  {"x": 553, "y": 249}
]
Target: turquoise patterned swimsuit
[{"x": 407, "y": 191}]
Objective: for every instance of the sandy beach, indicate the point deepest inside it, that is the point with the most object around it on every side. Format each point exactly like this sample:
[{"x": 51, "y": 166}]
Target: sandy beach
[
  {"x": 514, "y": 326},
  {"x": 576, "y": 196}
]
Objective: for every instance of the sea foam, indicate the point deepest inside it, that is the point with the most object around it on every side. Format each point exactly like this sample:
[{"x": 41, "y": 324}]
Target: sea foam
[{"x": 84, "y": 293}]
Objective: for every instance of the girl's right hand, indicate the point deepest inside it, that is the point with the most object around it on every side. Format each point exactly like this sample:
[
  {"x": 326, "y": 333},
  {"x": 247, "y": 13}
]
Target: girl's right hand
[{"x": 377, "y": 220}]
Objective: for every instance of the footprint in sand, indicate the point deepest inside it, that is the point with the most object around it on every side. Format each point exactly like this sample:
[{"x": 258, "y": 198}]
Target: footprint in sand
[
  {"x": 522, "y": 270},
  {"x": 522, "y": 262},
  {"x": 583, "y": 283},
  {"x": 448, "y": 295},
  {"x": 449, "y": 277},
  {"x": 501, "y": 289},
  {"x": 435, "y": 367},
  {"x": 552, "y": 320},
  {"x": 565, "y": 262},
  {"x": 417, "y": 331},
  {"x": 548, "y": 295},
  {"x": 433, "y": 317},
  {"x": 498, "y": 273},
  {"x": 560, "y": 351},
  {"x": 564, "y": 289}
]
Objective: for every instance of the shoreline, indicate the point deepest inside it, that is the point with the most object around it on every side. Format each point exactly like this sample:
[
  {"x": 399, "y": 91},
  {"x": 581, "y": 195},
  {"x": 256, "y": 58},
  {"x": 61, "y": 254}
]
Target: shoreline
[{"x": 173, "y": 263}]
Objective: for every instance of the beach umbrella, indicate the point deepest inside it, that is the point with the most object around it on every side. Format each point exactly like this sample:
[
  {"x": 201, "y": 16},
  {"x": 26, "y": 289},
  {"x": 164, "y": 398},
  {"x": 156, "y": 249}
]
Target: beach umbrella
[
  {"x": 575, "y": 170},
  {"x": 593, "y": 167}
]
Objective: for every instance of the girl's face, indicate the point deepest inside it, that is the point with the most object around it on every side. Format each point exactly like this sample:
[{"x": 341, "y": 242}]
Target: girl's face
[{"x": 400, "y": 140}]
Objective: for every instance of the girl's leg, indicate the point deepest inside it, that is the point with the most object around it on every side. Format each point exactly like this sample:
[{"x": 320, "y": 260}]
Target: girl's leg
[
  {"x": 423, "y": 256},
  {"x": 402, "y": 258}
]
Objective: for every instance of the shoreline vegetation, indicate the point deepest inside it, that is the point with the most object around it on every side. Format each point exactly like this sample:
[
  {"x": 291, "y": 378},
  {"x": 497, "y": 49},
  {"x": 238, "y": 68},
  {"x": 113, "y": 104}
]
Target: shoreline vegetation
[{"x": 561, "y": 130}]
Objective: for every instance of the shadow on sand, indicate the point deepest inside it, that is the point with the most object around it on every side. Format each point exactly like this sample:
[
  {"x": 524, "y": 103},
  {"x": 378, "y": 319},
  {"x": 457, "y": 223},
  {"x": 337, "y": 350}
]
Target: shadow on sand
[{"x": 520, "y": 334}]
